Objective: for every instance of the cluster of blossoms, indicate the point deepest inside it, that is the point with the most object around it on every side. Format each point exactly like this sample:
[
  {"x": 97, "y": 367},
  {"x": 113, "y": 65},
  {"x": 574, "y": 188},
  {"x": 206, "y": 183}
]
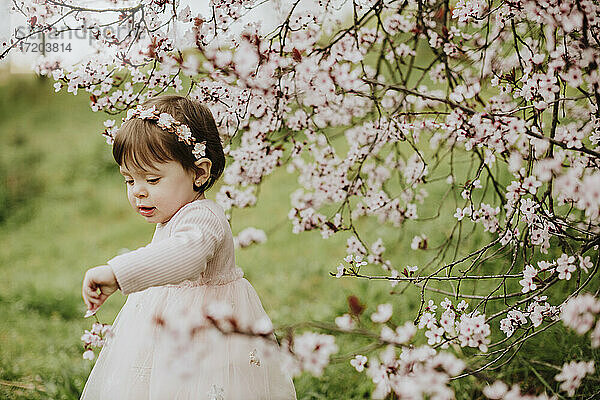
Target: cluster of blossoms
[
  {"x": 306, "y": 352},
  {"x": 486, "y": 215},
  {"x": 465, "y": 10},
  {"x": 95, "y": 338},
  {"x": 500, "y": 391},
  {"x": 311, "y": 352},
  {"x": 230, "y": 196},
  {"x": 416, "y": 373},
  {"x": 580, "y": 188},
  {"x": 579, "y": 313},
  {"x": 306, "y": 219},
  {"x": 531, "y": 279},
  {"x": 455, "y": 324},
  {"x": 537, "y": 309},
  {"x": 354, "y": 262},
  {"x": 564, "y": 266},
  {"x": 254, "y": 160},
  {"x": 187, "y": 334},
  {"x": 249, "y": 236},
  {"x": 572, "y": 373}
]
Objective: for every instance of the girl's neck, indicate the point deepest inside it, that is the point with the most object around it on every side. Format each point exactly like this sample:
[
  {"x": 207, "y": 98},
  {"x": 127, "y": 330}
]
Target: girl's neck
[{"x": 199, "y": 196}]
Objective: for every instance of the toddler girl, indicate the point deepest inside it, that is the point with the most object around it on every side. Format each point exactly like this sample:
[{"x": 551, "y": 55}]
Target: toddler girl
[{"x": 169, "y": 153}]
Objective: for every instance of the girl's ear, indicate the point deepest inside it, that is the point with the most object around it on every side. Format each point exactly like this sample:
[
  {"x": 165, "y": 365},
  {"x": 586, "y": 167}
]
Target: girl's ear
[{"x": 203, "y": 172}]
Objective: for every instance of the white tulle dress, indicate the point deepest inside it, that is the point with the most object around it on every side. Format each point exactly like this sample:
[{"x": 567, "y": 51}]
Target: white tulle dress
[{"x": 162, "y": 346}]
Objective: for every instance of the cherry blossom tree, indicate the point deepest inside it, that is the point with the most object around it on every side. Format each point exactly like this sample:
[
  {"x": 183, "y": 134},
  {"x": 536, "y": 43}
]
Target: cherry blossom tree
[{"x": 490, "y": 105}]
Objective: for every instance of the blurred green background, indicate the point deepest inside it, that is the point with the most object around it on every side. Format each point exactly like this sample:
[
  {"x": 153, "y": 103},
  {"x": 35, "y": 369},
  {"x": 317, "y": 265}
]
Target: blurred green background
[{"x": 63, "y": 209}]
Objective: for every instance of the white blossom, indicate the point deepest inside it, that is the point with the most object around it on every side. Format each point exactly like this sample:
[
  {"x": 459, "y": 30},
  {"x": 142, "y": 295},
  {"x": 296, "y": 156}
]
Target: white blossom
[
  {"x": 572, "y": 374},
  {"x": 383, "y": 313}
]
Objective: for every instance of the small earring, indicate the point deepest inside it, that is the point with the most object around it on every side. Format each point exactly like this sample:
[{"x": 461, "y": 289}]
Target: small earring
[{"x": 198, "y": 183}]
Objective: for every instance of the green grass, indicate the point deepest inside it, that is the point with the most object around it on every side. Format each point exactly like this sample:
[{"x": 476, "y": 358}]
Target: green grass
[{"x": 64, "y": 210}]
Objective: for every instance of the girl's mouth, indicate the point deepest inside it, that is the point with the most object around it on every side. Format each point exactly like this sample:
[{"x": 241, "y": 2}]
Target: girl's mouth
[{"x": 146, "y": 211}]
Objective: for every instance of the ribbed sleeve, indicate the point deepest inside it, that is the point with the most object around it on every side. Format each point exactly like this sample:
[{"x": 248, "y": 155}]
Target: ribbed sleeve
[{"x": 196, "y": 233}]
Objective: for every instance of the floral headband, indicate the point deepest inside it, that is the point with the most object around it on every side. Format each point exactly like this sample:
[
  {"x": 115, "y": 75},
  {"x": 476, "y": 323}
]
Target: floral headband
[{"x": 164, "y": 121}]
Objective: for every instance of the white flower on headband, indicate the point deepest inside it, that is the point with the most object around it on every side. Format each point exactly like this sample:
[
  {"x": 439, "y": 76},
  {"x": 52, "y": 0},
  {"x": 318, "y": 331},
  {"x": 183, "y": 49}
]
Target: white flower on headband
[
  {"x": 146, "y": 113},
  {"x": 164, "y": 121},
  {"x": 199, "y": 149},
  {"x": 184, "y": 133}
]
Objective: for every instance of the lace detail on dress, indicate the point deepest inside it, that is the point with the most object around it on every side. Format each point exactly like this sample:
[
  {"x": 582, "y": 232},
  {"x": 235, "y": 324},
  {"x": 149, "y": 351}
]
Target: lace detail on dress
[
  {"x": 221, "y": 279},
  {"x": 142, "y": 374}
]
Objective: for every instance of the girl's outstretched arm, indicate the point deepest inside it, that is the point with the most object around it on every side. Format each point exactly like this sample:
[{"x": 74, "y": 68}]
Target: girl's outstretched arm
[
  {"x": 99, "y": 278},
  {"x": 196, "y": 234}
]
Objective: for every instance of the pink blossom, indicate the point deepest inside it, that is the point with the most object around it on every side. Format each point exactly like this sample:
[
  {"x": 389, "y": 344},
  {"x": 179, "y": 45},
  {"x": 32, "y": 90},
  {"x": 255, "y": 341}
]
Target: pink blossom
[
  {"x": 262, "y": 326},
  {"x": 359, "y": 362},
  {"x": 595, "y": 336},
  {"x": 473, "y": 331},
  {"x": 585, "y": 263},
  {"x": 419, "y": 242},
  {"x": 345, "y": 322},
  {"x": 527, "y": 282},
  {"x": 427, "y": 320},
  {"x": 579, "y": 312},
  {"x": 462, "y": 306},
  {"x": 465, "y": 10},
  {"x": 417, "y": 373},
  {"x": 564, "y": 266},
  {"x": 383, "y": 313},
  {"x": 572, "y": 374},
  {"x": 313, "y": 351},
  {"x": 411, "y": 269},
  {"x": 447, "y": 321},
  {"x": 434, "y": 335},
  {"x": 495, "y": 391},
  {"x": 507, "y": 327},
  {"x": 340, "y": 271},
  {"x": 249, "y": 236}
]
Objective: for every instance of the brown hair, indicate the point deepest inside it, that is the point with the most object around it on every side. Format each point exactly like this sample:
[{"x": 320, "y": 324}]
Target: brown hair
[{"x": 142, "y": 143}]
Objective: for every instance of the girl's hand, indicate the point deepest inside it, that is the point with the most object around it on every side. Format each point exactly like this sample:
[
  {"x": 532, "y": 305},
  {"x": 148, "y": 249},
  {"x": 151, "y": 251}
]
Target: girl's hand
[{"x": 99, "y": 278}]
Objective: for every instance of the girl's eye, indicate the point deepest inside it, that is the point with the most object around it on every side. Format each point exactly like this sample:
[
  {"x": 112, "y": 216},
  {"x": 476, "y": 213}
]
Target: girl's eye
[
  {"x": 153, "y": 180},
  {"x": 129, "y": 181}
]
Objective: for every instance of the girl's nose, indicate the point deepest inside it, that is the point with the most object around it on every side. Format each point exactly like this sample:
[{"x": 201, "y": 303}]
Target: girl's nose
[{"x": 139, "y": 191}]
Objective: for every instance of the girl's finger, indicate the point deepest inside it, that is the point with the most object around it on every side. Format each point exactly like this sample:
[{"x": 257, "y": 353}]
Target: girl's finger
[
  {"x": 91, "y": 293},
  {"x": 84, "y": 296},
  {"x": 95, "y": 301},
  {"x": 86, "y": 292},
  {"x": 90, "y": 297}
]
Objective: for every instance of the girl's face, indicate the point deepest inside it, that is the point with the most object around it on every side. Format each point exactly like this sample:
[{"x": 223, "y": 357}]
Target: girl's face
[{"x": 157, "y": 194}]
